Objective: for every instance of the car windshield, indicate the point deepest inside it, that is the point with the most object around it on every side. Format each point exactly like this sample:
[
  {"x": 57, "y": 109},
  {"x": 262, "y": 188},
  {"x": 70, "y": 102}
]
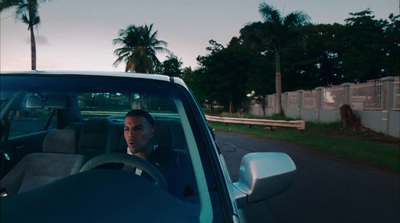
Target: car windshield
[{"x": 94, "y": 109}]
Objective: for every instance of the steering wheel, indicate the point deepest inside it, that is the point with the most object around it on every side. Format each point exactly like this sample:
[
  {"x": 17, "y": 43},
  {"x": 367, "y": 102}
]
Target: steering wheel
[{"x": 130, "y": 162}]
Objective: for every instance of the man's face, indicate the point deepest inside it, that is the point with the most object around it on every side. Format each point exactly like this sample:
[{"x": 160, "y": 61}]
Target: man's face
[{"x": 137, "y": 132}]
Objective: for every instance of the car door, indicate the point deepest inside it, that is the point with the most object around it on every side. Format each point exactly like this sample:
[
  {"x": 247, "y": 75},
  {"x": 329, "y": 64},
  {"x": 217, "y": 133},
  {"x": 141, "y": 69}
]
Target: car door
[{"x": 27, "y": 129}]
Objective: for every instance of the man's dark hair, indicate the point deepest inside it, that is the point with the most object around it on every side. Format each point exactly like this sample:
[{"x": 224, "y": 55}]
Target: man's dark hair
[{"x": 141, "y": 113}]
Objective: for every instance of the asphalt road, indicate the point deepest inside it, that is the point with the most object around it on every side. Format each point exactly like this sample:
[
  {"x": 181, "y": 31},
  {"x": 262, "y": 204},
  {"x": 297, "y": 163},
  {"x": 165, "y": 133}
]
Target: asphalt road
[{"x": 326, "y": 189}]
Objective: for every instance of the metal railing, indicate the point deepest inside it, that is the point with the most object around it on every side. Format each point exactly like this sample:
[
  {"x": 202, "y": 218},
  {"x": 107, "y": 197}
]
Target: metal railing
[{"x": 299, "y": 124}]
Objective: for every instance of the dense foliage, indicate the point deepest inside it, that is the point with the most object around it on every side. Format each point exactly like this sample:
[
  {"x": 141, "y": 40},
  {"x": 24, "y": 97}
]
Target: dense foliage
[
  {"x": 362, "y": 49},
  {"x": 170, "y": 67}
]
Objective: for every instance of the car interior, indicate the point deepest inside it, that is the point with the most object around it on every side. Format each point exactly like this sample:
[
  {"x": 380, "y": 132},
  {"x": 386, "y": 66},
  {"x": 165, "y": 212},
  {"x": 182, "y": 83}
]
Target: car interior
[
  {"x": 64, "y": 151},
  {"x": 55, "y": 128},
  {"x": 62, "y": 136}
]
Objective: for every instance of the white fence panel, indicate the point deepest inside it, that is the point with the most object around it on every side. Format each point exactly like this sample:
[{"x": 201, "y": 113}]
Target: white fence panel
[
  {"x": 366, "y": 96},
  {"x": 333, "y": 97}
]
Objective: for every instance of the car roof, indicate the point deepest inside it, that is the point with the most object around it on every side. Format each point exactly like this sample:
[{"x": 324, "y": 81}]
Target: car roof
[{"x": 157, "y": 77}]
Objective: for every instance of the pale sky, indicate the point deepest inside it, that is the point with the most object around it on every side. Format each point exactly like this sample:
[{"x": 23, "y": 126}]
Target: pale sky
[{"x": 77, "y": 34}]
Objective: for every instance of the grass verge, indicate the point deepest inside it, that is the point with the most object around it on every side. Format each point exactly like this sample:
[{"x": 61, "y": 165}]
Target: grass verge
[{"x": 354, "y": 146}]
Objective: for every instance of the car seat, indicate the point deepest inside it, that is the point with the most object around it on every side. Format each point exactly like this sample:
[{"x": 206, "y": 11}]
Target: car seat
[
  {"x": 164, "y": 137},
  {"x": 93, "y": 137},
  {"x": 37, "y": 169}
]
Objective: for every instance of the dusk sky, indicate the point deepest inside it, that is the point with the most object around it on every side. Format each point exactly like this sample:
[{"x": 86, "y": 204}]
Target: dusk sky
[{"x": 77, "y": 35}]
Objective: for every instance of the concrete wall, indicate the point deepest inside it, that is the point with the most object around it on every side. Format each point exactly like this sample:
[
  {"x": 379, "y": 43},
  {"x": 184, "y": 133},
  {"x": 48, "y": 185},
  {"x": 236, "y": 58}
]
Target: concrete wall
[
  {"x": 394, "y": 126},
  {"x": 383, "y": 117}
]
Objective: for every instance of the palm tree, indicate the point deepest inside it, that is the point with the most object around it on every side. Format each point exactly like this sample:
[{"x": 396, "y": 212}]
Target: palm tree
[
  {"x": 139, "y": 48},
  {"x": 27, "y": 12},
  {"x": 275, "y": 34}
]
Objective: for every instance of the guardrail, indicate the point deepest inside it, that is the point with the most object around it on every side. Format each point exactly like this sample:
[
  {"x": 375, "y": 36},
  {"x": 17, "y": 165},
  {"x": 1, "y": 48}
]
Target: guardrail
[{"x": 299, "y": 124}]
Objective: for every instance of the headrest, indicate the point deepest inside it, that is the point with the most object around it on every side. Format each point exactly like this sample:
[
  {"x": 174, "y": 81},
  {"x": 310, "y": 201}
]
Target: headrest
[
  {"x": 93, "y": 137},
  {"x": 163, "y": 134},
  {"x": 60, "y": 141},
  {"x": 96, "y": 125}
]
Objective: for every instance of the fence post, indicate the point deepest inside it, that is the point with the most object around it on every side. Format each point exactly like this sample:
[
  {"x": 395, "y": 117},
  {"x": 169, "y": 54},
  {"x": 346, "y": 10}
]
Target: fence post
[
  {"x": 319, "y": 102},
  {"x": 284, "y": 100},
  {"x": 300, "y": 103},
  {"x": 387, "y": 97},
  {"x": 347, "y": 96},
  {"x": 387, "y": 100}
]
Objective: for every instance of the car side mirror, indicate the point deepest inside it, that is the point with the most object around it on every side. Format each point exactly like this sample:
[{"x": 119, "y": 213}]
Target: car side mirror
[{"x": 262, "y": 176}]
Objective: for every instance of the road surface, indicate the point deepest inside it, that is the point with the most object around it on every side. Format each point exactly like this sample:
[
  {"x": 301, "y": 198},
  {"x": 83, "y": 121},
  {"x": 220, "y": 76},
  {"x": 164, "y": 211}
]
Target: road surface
[{"x": 326, "y": 189}]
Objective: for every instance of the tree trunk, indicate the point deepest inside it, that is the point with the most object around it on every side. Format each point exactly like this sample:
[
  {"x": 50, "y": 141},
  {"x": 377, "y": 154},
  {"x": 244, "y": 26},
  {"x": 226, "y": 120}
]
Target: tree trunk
[
  {"x": 278, "y": 82},
  {"x": 33, "y": 49}
]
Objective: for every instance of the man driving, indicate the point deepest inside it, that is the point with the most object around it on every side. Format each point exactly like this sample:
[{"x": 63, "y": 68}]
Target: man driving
[{"x": 139, "y": 132}]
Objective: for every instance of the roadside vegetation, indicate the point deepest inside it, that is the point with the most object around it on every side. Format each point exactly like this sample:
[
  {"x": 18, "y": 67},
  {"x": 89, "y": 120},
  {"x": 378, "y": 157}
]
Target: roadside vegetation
[
  {"x": 263, "y": 60},
  {"x": 364, "y": 146}
]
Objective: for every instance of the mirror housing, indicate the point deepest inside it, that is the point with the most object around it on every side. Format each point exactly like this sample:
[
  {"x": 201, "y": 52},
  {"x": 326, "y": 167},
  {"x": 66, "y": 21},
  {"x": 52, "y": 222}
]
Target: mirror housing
[{"x": 262, "y": 176}]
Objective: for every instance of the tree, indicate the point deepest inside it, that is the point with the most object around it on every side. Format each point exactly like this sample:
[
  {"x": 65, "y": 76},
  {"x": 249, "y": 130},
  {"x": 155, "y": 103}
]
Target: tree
[
  {"x": 171, "y": 67},
  {"x": 187, "y": 76},
  {"x": 27, "y": 12},
  {"x": 275, "y": 34},
  {"x": 362, "y": 49},
  {"x": 320, "y": 63},
  {"x": 139, "y": 48},
  {"x": 224, "y": 75},
  {"x": 364, "y": 54},
  {"x": 392, "y": 46}
]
